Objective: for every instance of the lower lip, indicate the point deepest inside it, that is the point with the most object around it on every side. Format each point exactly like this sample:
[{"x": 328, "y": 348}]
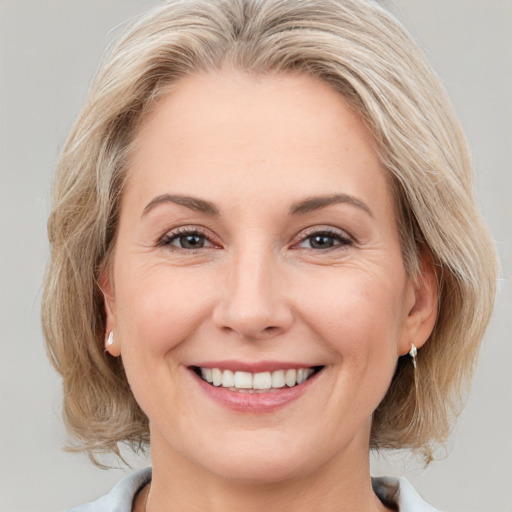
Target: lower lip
[{"x": 254, "y": 402}]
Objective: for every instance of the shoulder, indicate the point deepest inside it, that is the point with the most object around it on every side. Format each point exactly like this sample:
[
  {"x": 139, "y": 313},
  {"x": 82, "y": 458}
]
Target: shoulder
[
  {"x": 400, "y": 493},
  {"x": 120, "y": 498}
]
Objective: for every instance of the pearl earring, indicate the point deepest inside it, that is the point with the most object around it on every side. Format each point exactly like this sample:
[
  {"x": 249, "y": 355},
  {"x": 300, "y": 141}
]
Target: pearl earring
[
  {"x": 110, "y": 339},
  {"x": 412, "y": 353}
]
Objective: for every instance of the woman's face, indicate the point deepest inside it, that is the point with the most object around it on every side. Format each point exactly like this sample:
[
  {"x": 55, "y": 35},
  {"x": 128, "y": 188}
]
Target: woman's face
[{"x": 257, "y": 237}]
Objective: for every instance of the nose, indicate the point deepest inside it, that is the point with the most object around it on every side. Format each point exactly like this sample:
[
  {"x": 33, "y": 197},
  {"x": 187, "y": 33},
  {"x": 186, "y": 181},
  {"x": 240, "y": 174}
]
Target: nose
[{"x": 253, "y": 302}]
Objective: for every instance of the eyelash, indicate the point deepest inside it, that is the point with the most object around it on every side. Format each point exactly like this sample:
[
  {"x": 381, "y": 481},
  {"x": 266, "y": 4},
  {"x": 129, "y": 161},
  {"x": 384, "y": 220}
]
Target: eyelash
[
  {"x": 338, "y": 236},
  {"x": 342, "y": 238},
  {"x": 176, "y": 234}
]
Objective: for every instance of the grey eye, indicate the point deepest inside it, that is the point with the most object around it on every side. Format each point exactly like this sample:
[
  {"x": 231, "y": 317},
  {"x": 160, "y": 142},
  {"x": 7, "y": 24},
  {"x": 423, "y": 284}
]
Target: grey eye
[
  {"x": 188, "y": 240},
  {"x": 191, "y": 241},
  {"x": 324, "y": 240},
  {"x": 321, "y": 241}
]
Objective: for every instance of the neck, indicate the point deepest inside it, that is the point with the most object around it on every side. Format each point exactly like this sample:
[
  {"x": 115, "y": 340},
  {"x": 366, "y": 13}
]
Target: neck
[{"x": 337, "y": 486}]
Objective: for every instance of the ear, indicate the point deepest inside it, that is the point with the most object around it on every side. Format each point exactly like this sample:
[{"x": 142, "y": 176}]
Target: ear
[
  {"x": 107, "y": 288},
  {"x": 422, "y": 313}
]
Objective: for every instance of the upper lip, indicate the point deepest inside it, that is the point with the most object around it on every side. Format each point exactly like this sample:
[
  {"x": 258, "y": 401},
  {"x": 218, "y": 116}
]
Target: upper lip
[{"x": 254, "y": 366}]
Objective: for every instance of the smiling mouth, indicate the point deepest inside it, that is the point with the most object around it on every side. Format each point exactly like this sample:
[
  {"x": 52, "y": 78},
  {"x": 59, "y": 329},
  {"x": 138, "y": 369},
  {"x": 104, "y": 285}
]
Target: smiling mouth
[{"x": 263, "y": 382}]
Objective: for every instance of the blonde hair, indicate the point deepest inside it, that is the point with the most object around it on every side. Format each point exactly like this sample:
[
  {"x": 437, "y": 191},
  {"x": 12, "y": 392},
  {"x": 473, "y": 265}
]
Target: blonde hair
[{"x": 364, "y": 54}]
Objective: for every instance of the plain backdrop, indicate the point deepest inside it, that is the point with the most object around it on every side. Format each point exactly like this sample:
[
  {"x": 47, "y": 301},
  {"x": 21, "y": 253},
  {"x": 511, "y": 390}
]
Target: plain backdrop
[{"x": 49, "y": 50}]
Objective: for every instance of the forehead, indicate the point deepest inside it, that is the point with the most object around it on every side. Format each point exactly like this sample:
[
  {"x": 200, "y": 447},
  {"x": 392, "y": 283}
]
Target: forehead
[
  {"x": 296, "y": 106},
  {"x": 287, "y": 131}
]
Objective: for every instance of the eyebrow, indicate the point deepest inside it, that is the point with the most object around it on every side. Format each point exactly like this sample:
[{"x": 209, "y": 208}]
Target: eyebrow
[
  {"x": 301, "y": 207},
  {"x": 315, "y": 203},
  {"x": 193, "y": 203}
]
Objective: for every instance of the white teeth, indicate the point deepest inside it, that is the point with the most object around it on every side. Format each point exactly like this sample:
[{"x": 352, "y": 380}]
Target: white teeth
[
  {"x": 243, "y": 380},
  {"x": 206, "y": 373},
  {"x": 216, "y": 377},
  {"x": 306, "y": 373},
  {"x": 278, "y": 379},
  {"x": 262, "y": 381},
  {"x": 257, "y": 381},
  {"x": 228, "y": 379},
  {"x": 290, "y": 377}
]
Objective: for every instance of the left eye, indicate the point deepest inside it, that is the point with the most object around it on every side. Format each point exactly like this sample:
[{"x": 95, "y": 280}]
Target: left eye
[{"x": 323, "y": 240}]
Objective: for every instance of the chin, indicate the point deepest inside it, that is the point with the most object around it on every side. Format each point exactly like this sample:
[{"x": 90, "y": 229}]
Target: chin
[
  {"x": 261, "y": 471},
  {"x": 262, "y": 461}
]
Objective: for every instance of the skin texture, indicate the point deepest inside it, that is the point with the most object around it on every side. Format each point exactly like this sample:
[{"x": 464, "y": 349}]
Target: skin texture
[{"x": 260, "y": 290}]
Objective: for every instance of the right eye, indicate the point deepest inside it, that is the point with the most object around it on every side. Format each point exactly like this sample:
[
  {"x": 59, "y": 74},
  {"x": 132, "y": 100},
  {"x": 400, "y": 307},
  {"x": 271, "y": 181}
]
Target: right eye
[{"x": 185, "y": 239}]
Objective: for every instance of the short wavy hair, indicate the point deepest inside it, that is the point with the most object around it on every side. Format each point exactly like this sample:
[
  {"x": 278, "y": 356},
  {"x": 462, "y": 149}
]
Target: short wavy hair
[{"x": 357, "y": 48}]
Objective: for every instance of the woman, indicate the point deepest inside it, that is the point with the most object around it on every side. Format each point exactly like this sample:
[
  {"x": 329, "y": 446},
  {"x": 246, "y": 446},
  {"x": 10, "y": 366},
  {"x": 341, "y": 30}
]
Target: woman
[{"x": 266, "y": 258}]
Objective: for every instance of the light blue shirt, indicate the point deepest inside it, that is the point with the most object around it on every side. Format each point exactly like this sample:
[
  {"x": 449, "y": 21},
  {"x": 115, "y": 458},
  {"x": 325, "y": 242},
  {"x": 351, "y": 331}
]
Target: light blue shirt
[{"x": 389, "y": 489}]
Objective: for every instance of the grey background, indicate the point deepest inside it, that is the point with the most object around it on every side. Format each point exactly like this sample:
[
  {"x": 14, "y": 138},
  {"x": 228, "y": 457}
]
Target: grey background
[{"x": 49, "y": 50}]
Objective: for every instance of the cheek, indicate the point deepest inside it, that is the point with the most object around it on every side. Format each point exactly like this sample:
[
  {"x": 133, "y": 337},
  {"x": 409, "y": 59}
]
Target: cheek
[
  {"x": 157, "y": 312},
  {"x": 160, "y": 308},
  {"x": 359, "y": 314}
]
